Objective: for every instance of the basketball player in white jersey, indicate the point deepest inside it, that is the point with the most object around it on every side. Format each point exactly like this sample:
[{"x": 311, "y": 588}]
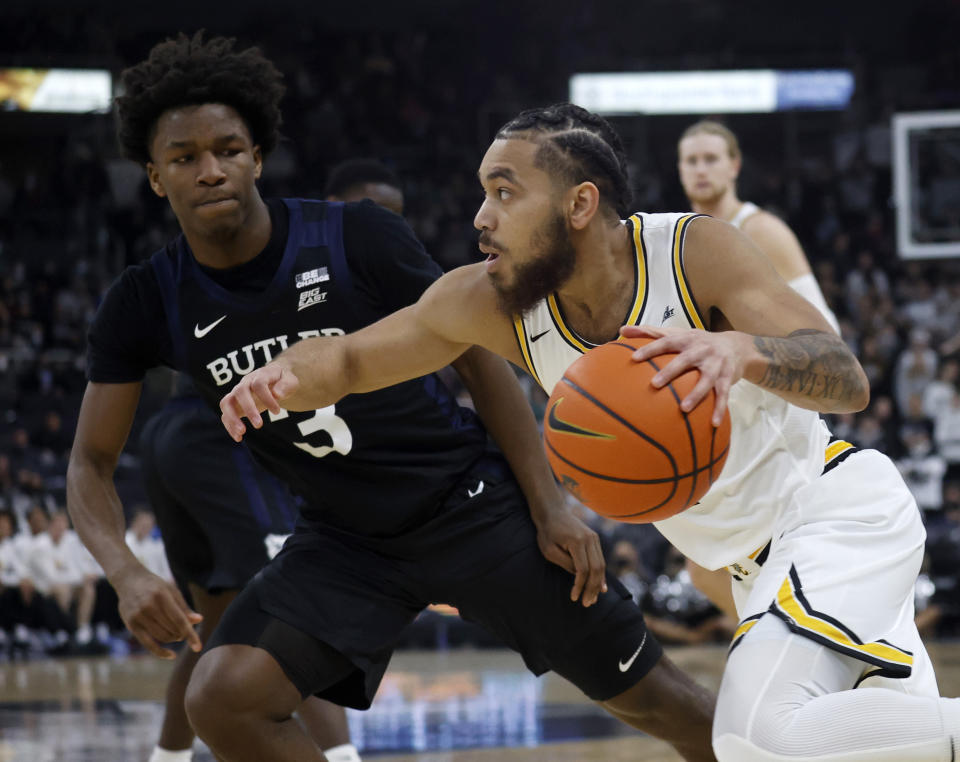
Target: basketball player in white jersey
[
  {"x": 709, "y": 161},
  {"x": 824, "y": 540}
]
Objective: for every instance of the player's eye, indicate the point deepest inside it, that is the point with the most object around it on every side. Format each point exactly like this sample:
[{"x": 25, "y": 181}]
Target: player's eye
[
  {"x": 182, "y": 159},
  {"x": 503, "y": 194}
]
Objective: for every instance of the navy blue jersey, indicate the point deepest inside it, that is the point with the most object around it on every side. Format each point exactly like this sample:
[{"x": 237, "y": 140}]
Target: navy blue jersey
[{"x": 376, "y": 463}]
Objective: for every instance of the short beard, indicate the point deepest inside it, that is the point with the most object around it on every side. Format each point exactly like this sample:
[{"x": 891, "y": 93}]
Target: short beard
[{"x": 552, "y": 259}]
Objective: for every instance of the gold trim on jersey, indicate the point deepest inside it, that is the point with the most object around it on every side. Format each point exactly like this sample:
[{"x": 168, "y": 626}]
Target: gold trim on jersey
[
  {"x": 792, "y": 607},
  {"x": 834, "y": 449},
  {"x": 571, "y": 338},
  {"x": 639, "y": 294},
  {"x": 679, "y": 276},
  {"x": 837, "y": 451},
  {"x": 640, "y": 252},
  {"x": 524, "y": 343},
  {"x": 745, "y": 626}
]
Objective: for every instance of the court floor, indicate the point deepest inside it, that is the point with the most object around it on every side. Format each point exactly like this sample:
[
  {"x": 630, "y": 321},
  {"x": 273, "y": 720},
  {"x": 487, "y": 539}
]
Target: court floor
[{"x": 453, "y": 706}]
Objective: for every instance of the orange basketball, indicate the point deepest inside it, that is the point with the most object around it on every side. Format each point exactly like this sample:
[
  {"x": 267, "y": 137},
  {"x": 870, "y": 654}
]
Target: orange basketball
[{"x": 625, "y": 448}]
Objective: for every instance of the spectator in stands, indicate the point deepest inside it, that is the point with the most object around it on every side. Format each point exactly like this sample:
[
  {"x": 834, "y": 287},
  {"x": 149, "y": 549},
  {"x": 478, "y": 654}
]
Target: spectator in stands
[
  {"x": 916, "y": 368},
  {"x": 146, "y": 544},
  {"x": 923, "y": 469}
]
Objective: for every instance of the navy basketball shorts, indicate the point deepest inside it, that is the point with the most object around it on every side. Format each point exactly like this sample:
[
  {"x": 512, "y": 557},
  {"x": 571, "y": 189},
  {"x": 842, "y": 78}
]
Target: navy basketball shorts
[
  {"x": 329, "y": 608},
  {"x": 219, "y": 513}
]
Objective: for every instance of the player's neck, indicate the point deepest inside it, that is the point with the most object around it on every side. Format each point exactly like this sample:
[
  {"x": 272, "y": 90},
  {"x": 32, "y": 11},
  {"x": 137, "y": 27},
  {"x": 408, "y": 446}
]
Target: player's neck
[
  {"x": 594, "y": 300},
  {"x": 723, "y": 207},
  {"x": 233, "y": 248}
]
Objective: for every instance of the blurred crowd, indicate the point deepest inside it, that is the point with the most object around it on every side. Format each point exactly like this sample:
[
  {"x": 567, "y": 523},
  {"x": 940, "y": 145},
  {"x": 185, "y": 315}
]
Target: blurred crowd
[{"x": 73, "y": 214}]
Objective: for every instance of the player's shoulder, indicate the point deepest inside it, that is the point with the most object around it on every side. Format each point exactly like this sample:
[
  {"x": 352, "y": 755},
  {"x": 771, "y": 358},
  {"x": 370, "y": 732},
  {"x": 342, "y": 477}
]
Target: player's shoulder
[
  {"x": 142, "y": 276},
  {"x": 767, "y": 225},
  {"x": 463, "y": 295},
  {"x": 366, "y": 212},
  {"x": 468, "y": 282}
]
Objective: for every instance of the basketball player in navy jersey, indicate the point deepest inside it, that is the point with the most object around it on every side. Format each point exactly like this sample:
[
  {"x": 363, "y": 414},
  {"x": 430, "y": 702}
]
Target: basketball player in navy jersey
[
  {"x": 405, "y": 503},
  {"x": 222, "y": 516},
  {"x": 823, "y": 540}
]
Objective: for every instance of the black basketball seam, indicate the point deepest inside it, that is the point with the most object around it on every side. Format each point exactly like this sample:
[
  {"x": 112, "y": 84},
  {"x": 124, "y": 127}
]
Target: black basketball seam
[
  {"x": 693, "y": 441},
  {"x": 620, "y": 480},
  {"x": 624, "y": 480},
  {"x": 686, "y": 420},
  {"x": 631, "y": 427}
]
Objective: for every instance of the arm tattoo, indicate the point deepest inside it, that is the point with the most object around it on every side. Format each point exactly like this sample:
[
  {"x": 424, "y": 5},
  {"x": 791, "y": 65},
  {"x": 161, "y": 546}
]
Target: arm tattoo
[{"x": 813, "y": 363}]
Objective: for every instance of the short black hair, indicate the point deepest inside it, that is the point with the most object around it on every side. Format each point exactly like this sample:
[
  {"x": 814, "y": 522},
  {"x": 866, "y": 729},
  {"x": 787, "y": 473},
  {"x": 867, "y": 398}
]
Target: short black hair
[
  {"x": 353, "y": 172},
  {"x": 188, "y": 71},
  {"x": 578, "y": 146}
]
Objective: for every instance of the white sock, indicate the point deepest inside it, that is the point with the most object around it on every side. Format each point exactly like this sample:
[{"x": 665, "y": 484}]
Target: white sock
[
  {"x": 345, "y": 753},
  {"x": 84, "y": 634},
  {"x": 165, "y": 755}
]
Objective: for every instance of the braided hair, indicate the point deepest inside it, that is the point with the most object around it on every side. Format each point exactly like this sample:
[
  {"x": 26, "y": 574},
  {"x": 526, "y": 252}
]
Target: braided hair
[
  {"x": 577, "y": 146},
  {"x": 189, "y": 71}
]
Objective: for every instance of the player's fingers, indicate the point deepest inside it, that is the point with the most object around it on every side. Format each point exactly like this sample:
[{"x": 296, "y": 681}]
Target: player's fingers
[
  {"x": 557, "y": 555},
  {"x": 582, "y": 571},
  {"x": 699, "y": 392},
  {"x": 192, "y": 618},
  {"x": 145, "y": 639},
  {"x": 151, "y": 633},
  {"x": 656, "y": 347},
  {"x": 598, "y": 571},
  {"x": 177, "y": 624},
  {"x": 722, "y": 390},
  {"x": 230, "y": 418},
  {"x": 676, "y": 367},
  {"x": 246, "y": 403},
  {"x": 640, "y": 332},
  {"x": 286, "y": 385},
  {"x": 264, "y": 393}
]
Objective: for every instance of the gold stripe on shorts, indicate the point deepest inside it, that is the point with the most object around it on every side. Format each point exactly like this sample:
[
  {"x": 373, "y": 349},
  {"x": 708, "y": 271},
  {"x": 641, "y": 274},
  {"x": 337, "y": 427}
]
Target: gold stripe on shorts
[{"x": 794, "y": 609}]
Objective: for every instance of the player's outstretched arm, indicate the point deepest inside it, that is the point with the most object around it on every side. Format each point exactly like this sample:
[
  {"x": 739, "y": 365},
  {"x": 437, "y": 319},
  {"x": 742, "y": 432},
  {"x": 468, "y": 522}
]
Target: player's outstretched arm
[
  {"x": 563, "y": 538},
  {"x": 317, "y": 372},
  {"x": 153, "y": 609},
  {"x": 779, "y": 340}
]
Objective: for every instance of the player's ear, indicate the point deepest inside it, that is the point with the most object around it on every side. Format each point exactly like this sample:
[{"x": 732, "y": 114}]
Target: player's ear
[
  {"x": 583, "y": 205},
  {"x": 257, "y": 162},
  {"x": 154, "y": 177},
  {"x": 736, "y": 162}
]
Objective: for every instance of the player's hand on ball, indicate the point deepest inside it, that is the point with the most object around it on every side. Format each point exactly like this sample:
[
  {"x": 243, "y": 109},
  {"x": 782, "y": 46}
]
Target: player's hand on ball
[
  {"x": 569, "y": 543},
  {"x": 262, "y": 389},
  {"x": 155, "y": 612},
  {"x": 717, "y": 356}
]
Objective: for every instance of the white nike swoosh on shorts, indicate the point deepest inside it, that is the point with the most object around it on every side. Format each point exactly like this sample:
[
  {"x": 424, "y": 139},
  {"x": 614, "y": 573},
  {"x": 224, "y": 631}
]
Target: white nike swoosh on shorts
[{"x": 625, "y": 665}]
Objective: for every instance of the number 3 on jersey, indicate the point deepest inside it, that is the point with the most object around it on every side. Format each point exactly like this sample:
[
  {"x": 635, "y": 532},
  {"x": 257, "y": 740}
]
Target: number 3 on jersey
[{"x": 323, "y": 419}]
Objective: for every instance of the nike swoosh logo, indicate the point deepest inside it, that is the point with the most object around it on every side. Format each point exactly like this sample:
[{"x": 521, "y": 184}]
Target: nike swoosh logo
[
  {"x": 539, "y": 336},
  {"x": 564, "y": 427},
  {"x": 201, "y": 332},
  {"x": 477, "y": 491},
  {"x": 625, "y": 665}
]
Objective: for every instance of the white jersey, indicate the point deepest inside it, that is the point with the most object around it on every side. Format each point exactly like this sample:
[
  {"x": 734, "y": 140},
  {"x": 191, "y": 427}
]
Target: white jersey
[
  {"x": 775, "y": 447},
  {"x": 805, "y": 285},
  {"x": 747, "y": 210}
]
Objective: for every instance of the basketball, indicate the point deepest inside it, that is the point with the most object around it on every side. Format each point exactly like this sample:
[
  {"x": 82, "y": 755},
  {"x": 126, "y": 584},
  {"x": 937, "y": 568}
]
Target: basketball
[{"x": 625, "y": 448}]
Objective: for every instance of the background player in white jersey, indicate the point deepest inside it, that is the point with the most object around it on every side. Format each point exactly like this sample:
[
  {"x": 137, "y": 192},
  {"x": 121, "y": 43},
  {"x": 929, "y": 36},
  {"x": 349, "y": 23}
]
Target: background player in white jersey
[
  {"x": 827, "y": 598},
  {"x": 709, "y": 160}
]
